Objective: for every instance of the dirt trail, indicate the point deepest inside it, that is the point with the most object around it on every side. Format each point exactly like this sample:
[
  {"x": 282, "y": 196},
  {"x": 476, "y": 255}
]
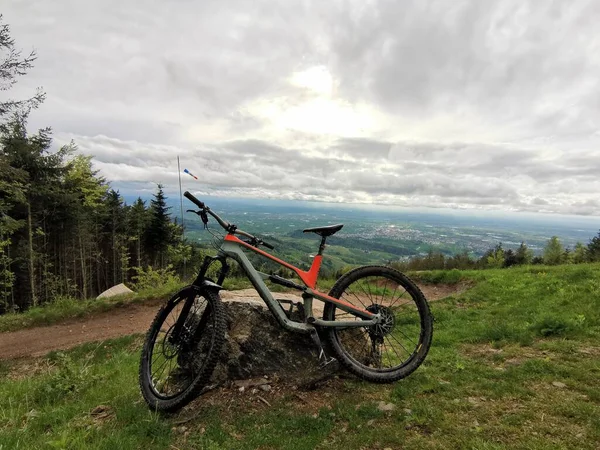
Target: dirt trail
[{"x": 127, "y": 320}]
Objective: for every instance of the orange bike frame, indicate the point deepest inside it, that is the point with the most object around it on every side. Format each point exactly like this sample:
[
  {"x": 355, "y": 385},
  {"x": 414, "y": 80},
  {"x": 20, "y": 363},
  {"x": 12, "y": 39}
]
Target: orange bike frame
[{"x": 231, "y": 248}]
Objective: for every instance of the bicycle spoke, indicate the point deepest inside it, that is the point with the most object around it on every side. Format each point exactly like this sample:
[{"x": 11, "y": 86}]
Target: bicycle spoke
[
  {"x": 358, "y": 298},
  {"x": 161, "y": 366},
  {"x": 402, "y": 295},
  {"x": 401, "y": 345},
  {"x": 394, "y": 349},
  {"x": 384, "y": 288}
]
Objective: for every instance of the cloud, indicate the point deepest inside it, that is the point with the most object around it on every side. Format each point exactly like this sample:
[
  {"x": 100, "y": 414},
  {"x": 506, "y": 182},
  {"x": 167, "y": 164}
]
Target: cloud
[
  {"x": 406, "y": 177},
  {"x": 465, "y": 104}
]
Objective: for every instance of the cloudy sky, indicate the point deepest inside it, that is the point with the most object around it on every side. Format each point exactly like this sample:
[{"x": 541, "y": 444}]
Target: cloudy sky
[{"x": 461, "y": 104}]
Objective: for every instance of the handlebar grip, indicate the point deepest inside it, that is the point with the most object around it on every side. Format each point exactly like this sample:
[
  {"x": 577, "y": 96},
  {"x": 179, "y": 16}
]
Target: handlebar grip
[
  {"x": 194, "y": 200},
  {"x": 269, "y": 246}
]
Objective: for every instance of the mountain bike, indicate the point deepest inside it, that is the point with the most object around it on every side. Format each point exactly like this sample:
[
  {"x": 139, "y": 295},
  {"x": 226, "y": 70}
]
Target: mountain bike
[{"x": 376, "y": 321}]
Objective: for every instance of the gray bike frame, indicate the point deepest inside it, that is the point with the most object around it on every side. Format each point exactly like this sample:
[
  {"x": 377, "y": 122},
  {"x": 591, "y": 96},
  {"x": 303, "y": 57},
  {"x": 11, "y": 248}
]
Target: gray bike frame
[{"x": 234, "y": 250}]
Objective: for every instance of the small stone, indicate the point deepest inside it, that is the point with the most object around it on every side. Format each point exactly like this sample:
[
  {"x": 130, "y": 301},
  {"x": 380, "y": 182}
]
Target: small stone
[
  {"x": 254, "y": 391},
  {"x": 408, "y": 411},
  {"x": 265, "y": 387},
  {"x": 579, "y": 435},
  {"x": 385, "y": 407},
  {"x": 387, "y": 448},
  {"x": 242, "y": 389},
  {"x": 32, "y": 413},
  {"x": 558, "y": 384},
  {"x": 473, "y": 400},
  {"x": 371, "y": 422}
]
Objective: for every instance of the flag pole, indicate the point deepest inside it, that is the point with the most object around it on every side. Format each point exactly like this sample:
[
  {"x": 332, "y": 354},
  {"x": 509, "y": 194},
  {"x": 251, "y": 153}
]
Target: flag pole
[{"x": 182, "y": 220}]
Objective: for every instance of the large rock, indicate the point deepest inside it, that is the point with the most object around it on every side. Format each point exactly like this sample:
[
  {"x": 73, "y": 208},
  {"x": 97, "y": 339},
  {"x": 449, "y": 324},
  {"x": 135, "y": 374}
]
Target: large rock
[
  {"x": 119, "y": 289},
  {"x": 256, "y": 345}
]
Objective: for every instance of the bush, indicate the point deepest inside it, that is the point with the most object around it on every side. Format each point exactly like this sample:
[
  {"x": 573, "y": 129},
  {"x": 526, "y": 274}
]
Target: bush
[
  {"x": 558, "y": 326},
  {"x": 69, "y": 378},
  {"x": 453, "y": 276},
  {"x": 150, "y": 278}
]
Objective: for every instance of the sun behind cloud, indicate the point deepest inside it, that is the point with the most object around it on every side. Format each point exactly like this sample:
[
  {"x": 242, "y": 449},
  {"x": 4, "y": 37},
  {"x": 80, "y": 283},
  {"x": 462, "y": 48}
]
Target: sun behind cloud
[{"x": 316, "y": 79}]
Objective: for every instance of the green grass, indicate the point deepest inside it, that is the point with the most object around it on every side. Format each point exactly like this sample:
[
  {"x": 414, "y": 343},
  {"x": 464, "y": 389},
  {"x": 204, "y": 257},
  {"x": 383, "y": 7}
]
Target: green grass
[
  {"x": 453, "y": 276},
  {"x": 515, "y": 363}
]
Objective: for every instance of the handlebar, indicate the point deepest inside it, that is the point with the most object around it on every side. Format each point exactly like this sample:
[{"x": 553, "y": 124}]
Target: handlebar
[
  {"x": 194, "y": 200},
  {"x": 230, "y": 228}
]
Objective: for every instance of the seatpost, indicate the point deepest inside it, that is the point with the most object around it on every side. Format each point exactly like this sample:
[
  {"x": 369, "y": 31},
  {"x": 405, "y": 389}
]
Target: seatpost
[{"x": 322, "y": 246}]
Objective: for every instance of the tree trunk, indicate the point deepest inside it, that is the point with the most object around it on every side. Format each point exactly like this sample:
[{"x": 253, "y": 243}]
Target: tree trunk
[
  {"x": 139, "y": 251},
  {"x": 34, "y": 300},
  {"x": 83, "y": 268}
]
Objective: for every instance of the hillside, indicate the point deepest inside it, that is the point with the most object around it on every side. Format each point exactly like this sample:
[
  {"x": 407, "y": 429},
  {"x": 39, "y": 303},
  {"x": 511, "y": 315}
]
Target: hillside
[{"x": 514, "y": 364}]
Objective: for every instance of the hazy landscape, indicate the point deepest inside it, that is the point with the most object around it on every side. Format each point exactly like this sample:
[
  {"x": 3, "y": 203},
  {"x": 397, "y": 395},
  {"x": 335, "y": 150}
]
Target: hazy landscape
[{"x": 379, "y": 234}]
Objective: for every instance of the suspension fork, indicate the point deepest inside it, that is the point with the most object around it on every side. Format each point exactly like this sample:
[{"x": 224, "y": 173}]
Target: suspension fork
[{"x": 199, "y": 284}]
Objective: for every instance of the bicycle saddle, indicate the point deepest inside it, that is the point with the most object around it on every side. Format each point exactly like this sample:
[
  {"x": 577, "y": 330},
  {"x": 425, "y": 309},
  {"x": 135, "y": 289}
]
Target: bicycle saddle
[{"x": 325, "y": 231}]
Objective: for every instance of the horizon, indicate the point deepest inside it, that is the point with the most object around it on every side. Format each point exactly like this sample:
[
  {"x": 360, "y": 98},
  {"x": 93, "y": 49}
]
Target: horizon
[{"x": 576, "y": 222}]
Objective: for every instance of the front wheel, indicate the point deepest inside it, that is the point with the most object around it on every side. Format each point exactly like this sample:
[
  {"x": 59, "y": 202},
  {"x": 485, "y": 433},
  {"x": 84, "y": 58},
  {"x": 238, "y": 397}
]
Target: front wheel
[
  {"x": 181, "y": 348},
  {"x": 392, "y": 349}
]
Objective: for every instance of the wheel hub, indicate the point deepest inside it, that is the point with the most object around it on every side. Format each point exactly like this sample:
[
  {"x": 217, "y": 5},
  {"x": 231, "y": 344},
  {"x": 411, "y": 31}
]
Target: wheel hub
[
  {"x": 172, "y": 347},
  {"x": 388, "y": 321}
]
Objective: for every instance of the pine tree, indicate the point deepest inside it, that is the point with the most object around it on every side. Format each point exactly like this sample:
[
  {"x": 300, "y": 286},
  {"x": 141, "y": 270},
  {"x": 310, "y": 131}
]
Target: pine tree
[
  {"x": 13, "y": 66},
  {"x": 158, "y": 233},
  {"x": 510, "y": 258},
  {"x": 115, "y": 225},
  {"x": 494, "y": 258},
  {"x": 593, "y": 248},
  {"x": 554, "y": 252},
  {"x": 579, "y": 253},
  {"x": 523, "y": 255},
  {"x": 137, "y": 222}
]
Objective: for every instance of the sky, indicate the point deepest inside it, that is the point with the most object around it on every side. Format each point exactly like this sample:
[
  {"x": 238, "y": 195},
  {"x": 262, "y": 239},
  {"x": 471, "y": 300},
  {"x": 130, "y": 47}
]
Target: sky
[{"x": 474, "y": 105}]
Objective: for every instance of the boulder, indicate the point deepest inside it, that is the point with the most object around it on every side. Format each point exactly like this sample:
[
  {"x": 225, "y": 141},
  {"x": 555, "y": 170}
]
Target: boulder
[
  {"x": 119, "y": 289},
  {"x": 257, "y": 346}
]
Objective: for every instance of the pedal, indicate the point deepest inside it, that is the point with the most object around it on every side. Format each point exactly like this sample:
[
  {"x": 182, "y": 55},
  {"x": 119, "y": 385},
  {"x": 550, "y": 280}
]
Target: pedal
[{"x": 324, "y": 360}]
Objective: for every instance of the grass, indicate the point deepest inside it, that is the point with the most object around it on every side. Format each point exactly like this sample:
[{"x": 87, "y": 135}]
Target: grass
[
  {"x": 514, "y": 364},
  {"x": 453, "y": 276}
]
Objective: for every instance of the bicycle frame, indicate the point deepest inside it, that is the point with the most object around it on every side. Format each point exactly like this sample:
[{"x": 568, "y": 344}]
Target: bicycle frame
[{"x": 232, "y": 247}]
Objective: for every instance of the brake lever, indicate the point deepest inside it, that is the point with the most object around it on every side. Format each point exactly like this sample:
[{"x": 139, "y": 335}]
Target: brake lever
[{"x": 203, "y": 216}]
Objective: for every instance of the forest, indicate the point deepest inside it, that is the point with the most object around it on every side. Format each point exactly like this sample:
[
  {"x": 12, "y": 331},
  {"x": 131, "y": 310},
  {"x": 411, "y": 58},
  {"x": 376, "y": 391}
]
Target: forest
[{"x": 63, "y": 230}]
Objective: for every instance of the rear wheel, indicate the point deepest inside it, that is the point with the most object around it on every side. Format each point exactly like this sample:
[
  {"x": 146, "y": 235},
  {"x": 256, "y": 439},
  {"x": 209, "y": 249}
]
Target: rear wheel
[
  {"x": 392, "y": 349},
  {"x": 178, "y": 360}
]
